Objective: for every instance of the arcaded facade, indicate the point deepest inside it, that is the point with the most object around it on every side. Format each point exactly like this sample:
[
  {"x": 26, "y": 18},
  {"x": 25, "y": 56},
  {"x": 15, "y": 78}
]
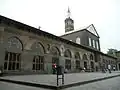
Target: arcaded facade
[{"x": 24, "y": 49}]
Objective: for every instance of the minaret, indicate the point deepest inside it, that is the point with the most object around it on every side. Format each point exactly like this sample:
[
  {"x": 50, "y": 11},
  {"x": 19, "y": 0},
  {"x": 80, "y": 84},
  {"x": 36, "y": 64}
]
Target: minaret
[{"x": 69, "y": 23}]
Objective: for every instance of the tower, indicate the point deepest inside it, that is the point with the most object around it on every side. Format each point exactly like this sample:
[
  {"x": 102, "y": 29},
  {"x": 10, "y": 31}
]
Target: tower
[{"x": 69, "y": 23}]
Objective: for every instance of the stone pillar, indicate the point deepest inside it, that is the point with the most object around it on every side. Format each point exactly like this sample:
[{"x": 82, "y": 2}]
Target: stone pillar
[
  {"x": 48, "y": 63},
  {"x": 26, "y": 61},
  {"x": 81, "y": 63},
  {"x": 73, "y": 65},
  {"x": 62, "y": 61}
]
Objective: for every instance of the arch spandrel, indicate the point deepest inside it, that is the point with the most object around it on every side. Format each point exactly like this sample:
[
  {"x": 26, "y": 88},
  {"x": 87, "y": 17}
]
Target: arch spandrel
[
  {"x": 91, "y": 57},
  {"x": 77, "y": 56},
  {"x": 38, "y": 48},
  {"x": 67, "y": 53},
  {"x": 84, "y": 57},
  {"x": 29, "y": 44},
  {"x": 54, "y": 50}
]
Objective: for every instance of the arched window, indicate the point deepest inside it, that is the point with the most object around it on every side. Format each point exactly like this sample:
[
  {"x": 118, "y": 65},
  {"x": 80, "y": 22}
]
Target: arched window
[
  {"x": 13, "y": 51},
  {"x": 78, "y": 40},
  {"x": 91, "y": 57},
  {"x": 38, "y": 63},
  {"x": 67, "y": 53},
  {"x": 54, "y": 51},
  {"x": 85, "y": 57},
  {"x": 38, "y": 59},
  {"x": 68, "y": 56}
]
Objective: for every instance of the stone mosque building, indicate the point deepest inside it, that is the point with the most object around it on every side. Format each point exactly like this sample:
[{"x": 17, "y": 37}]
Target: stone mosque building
[{"x": 25, "y": 49}]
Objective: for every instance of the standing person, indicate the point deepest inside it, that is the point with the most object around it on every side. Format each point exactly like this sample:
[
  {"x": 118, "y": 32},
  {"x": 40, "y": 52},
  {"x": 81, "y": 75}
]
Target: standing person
[{"x": 109, "y": 68}]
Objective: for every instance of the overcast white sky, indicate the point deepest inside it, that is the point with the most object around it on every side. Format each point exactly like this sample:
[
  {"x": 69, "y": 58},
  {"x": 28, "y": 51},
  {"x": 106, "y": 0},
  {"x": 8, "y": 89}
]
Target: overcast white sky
[{"x": 50, "y": 15}]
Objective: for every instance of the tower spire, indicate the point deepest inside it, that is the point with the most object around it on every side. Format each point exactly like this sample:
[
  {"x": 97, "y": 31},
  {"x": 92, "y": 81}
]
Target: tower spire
[{"x": 68, "y": 12}]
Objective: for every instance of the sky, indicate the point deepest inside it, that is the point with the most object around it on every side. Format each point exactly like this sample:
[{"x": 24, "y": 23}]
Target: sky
[{"x": 50, "y": 16}]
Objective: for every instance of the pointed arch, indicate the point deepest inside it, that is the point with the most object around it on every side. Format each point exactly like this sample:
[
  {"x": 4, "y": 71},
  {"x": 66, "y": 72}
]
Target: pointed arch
[
  {"x": 84, "y": 57},
  {"x": 12, "y": 60},
  {"x": 77, "y": 56},
  {"x": 38, "y": 59},
  {"x": 67, "y": 53},
  {"x": 55, "y": 51},
  {"x": 68, "y": 56},
  {"x": 91, "y": 57},
  {"x": 38, "y": 47}
]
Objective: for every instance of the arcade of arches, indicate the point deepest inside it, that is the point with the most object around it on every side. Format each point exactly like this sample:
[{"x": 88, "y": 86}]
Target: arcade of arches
[{"x": 14, "y": 49}]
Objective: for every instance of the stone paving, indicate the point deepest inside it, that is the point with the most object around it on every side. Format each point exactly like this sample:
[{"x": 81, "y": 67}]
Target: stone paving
[
  {"x": 51, "y": 79},
  {"x": 11, "y": 86},
  {"x": 109, "y": 84}
]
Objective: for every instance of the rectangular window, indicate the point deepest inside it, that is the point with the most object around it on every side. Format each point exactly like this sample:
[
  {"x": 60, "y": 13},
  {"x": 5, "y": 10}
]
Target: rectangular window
[
  {"x": 68, "y": 64},
  {"x": 90, "y": 42},
  {"x": 77, "y": 64},
  {"x": 94, "y": 43},
  {"x": 97, "y": 45}
]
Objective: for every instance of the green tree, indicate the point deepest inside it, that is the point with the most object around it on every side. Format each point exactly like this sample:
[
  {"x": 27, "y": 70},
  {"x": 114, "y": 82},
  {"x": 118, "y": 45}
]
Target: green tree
[{"x": 112, "y": 52}]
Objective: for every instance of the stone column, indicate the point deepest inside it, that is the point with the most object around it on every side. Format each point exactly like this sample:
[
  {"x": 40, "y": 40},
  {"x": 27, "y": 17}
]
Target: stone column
[
  {"x": 73, "y": 64},
  {"x": 82, "y": 63},
  {"x": 62, "y": 61},
  {"x": 48, "y": 63},
  {"x": 26, "y": 61}
]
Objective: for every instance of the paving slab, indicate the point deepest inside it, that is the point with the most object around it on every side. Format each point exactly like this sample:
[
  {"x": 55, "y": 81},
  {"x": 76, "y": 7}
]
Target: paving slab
[
  {"x": 109, "y": 84},
  {"x": 70, "y": 79}
]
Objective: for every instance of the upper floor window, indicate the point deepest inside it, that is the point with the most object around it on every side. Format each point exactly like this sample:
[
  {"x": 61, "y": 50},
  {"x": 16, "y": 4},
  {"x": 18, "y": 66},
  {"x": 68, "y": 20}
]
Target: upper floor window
[
  {"x": 97, "y": 45},
  {"x": 90, "y": 44},
  {"x": 94, "y": 43},
  {"x": 78, "y": 40}
]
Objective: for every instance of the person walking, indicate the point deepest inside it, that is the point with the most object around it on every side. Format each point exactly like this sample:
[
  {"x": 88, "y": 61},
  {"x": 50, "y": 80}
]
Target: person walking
[{"x": 109, "y": 68}]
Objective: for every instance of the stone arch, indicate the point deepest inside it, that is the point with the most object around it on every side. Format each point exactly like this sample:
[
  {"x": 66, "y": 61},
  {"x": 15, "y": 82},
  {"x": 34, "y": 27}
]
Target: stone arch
[
  {"x": 12, "y": 60},
  {"x": 77, "y": 56},
  {"x": 38, "y": 47},
  {"x": 68, "y": 53},
  {"x": 84, "y": 57},
  {"x": 38, "y": 58},
  {"x": 55, "y": 51},
  {"x": 68, "y": 56},
  {"x": 91, "y": 57}
]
